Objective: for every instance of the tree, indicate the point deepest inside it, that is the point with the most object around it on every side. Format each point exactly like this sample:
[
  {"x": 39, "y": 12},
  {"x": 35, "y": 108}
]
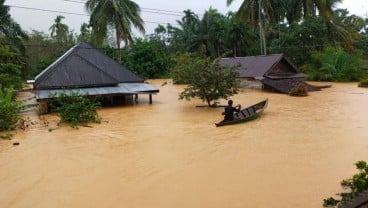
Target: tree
[
  {"x": 256, "y": 12},
  {"x": 334, "y": 64},
  {"x": 208, "y": 80},
  {"x": 10, "y": 67},
  {"x": 148, "y": 58},
  {"x": 59, "y": 31},
  {"x": 85, "y": 34},
  {"x": 41, "y": 51},
  {"x": 188, "y": 37},
  {"x": 12, "y": 31},
  {"x": 238, "y": 35},
  {"x": 298, "y": 40},
  {"x": 119, "y": 14},
  {"x": 213, "y": 26}
]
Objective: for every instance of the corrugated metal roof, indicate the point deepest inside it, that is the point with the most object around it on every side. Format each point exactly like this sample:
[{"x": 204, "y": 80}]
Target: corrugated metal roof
[
  {"x": 255, "y": 66},
  {"x": 84, "y": 66},
  {"x": 122, "y": 88}
]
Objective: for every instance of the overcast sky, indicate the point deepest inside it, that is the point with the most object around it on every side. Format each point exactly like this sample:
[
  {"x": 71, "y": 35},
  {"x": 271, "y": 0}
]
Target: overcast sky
[{"x": 40, "y": 14}]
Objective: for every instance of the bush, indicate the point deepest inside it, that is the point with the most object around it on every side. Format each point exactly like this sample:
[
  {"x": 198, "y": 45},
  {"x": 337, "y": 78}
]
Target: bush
[
  {"x": 355, "y": 185},
  {"x": 335, "y": 64},
  {"x": 75, "y": 109},
  {"x": 363, "y": 83},
  {"x": 300, "y": 90},
  {"x": 9, "y": 110}
]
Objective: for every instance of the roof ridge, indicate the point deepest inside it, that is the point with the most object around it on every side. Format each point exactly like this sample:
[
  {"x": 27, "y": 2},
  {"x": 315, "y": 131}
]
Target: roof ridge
[
  {"x": 276, "y": 54},
  {"x": 45, "y": 73}
]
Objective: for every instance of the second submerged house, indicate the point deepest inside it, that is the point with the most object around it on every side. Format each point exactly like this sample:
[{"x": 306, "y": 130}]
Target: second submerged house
[
  {"x": 91, "y": 73},
  {"x": 272, "y": 72}
]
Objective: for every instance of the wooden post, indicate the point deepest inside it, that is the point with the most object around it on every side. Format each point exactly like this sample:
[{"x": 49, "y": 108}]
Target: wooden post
[
  {"x": 150, "y": 98},
  {"x": 136, "y": 98},
  {"x": 43, "y": 107}
]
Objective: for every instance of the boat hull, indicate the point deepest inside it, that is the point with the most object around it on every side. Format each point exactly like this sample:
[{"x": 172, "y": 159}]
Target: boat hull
[{"x": 246, "y": 114}]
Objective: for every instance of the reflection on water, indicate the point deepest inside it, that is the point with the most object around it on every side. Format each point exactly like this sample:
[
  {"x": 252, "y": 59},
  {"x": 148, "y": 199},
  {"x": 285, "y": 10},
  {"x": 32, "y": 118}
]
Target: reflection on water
[{"x": 170, "y": 154}]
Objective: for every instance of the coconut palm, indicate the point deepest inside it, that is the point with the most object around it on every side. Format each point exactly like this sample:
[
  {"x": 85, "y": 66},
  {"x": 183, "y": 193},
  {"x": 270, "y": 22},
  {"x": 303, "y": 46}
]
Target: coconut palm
[
  {"x": 238, "y": 35},
  {"x": 189, "y": 33},
  {"x": 298, "y": 9},
  {"x": 119, "y": 14},
  {"x": 59, "y": 30},
  {"x": 257, "y": 11}
]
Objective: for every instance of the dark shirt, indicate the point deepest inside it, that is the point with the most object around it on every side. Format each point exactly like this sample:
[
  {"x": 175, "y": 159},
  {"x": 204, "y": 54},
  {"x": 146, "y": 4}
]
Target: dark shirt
[{"x": 229, "y": 112}]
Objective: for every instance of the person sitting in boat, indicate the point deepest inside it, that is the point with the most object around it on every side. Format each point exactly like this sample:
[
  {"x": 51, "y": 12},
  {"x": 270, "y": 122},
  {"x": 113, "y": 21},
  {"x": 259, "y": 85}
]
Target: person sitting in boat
[{"x": 230, "y": 110}]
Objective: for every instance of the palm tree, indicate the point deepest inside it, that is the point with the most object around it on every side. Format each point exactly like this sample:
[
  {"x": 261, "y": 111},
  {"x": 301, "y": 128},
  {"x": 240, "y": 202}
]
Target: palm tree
[
  {"x": 59, "y": 30},
  {"x": 213, "y": 29},
  {"x": 257, "y": 11},
  {"x": 298, "y": 9},
  {"x": 189, "y": 33},
  {"x": 238, "y": 35},
  {"x": 119, "y": 14},
  {"x": 85, "y": 33}
]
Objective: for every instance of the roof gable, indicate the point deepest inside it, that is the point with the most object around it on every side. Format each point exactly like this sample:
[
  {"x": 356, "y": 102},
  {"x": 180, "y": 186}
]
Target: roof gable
[
  {"x": 257, "y": 66},
  {"x": 84, "y": 66}
]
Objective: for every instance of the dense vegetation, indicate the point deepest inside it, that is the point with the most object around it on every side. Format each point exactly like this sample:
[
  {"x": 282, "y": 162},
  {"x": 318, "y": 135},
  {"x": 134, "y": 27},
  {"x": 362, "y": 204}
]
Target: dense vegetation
[
  {"x": 9, "y": 110},
  {"x": 335, "y": 64},
  {"x": 303, "y": 38}
]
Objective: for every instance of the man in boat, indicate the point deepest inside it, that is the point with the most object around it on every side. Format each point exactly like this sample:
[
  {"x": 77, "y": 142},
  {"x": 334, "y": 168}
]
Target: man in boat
[{"x": 230, "y": 110}]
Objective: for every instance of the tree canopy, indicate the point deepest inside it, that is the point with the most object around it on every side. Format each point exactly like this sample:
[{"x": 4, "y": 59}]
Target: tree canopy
[
  {"x": 207, "y": 79},
  {"x": 119, "y": 14}
]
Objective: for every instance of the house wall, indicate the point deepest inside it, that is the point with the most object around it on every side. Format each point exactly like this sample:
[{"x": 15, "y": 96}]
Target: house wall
[
  {"x": 250, "y": 83},
  {"x": 107, "y": 100}
]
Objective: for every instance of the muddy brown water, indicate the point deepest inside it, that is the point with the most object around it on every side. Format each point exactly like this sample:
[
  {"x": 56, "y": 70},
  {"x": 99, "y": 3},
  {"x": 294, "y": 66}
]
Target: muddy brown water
[{"x": 170, "y": 154}]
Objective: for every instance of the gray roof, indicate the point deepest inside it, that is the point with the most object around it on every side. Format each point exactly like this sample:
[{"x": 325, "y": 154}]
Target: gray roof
[
  {"x": 256, "y": 66},
  {"x": 122, "y": 88},
  {"x": 285, "y": 85},
  {"x": 84, "y": 66}
]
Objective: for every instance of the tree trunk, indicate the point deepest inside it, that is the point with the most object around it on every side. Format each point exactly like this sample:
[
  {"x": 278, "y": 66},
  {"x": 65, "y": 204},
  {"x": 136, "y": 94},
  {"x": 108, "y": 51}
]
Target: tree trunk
[
  {"x": 208, "y": 102},
  {"x": 118, "y": 44}
]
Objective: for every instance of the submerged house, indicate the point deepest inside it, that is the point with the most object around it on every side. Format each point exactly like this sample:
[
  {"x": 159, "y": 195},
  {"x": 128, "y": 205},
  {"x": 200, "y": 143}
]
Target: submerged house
[
  {"x": 91, "y": 73},
  {"x": 271, "y": 72}
]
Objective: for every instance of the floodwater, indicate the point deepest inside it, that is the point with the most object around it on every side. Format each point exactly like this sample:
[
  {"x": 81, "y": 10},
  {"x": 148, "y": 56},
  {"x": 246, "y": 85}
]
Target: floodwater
[{"x": 170, "y": 154}]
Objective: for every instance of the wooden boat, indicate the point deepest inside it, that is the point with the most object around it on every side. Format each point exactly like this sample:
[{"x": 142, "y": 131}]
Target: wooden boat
[{"x": 247, "y": 114}]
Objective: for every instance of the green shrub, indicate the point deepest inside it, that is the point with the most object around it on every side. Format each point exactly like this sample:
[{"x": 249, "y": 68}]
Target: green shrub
[
  {"x": 75, "y": 109},
  {"x": 335, "y": 64},
  {"x": 363, "y": 83},
  {"x": 9, "y": 110},
  {"x": 355, "y": 185},
  {"x": 300, "y": 90}
]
